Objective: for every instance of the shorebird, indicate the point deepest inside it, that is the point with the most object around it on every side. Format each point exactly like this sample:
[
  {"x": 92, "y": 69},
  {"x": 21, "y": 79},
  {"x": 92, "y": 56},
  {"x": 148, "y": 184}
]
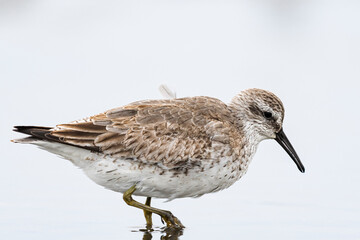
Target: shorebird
[{"x": 170, "y": 149}]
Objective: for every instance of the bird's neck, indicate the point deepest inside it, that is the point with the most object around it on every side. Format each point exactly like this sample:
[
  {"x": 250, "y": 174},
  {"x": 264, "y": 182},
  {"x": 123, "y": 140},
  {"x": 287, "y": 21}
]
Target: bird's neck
[
  {"x": 248, "y": 131},
  {"x": 251, "y": 141}
]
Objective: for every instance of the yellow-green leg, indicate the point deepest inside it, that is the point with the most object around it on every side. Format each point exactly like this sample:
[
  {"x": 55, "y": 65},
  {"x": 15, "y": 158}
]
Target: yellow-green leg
[
  {"x": 147, "y": 214},
  {"x": 167, "y": 216}
]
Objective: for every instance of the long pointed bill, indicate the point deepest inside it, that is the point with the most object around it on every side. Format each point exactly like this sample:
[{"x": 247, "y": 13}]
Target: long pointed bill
[{"x": 285, "y": 143}]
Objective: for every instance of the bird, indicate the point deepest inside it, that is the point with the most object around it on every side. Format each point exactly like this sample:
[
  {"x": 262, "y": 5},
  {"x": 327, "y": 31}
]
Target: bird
[{"x": 168, "y": 148}]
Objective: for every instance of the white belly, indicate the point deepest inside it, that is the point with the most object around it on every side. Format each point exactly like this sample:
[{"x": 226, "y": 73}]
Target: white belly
[
  {"x": 154, "y": 181},
  {"x": 151, "y": 180}
]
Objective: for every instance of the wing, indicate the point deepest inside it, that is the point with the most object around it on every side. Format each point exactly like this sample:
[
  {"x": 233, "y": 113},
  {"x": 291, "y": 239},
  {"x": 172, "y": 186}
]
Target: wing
[{"x": 171, "y": 132}]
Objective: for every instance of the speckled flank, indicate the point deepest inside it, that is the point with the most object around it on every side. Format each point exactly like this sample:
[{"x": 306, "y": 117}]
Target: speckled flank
[{"x": 169, "y": 148}]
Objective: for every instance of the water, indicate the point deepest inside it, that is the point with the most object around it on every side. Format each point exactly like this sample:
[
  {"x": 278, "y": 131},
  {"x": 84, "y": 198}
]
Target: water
[{"x": 61, "y": 61}]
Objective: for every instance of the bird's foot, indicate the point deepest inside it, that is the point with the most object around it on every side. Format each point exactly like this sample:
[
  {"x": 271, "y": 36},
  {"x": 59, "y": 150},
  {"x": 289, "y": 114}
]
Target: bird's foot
[{"x": 171, "y": 221}]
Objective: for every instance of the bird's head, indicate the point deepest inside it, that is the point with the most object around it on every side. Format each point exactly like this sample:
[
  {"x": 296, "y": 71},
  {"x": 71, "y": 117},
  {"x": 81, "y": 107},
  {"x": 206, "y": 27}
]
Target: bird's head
[{"x": 261, "y": 114}]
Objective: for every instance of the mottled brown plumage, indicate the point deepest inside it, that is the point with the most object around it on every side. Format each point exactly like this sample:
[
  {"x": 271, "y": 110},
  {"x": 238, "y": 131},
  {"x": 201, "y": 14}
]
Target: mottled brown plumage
[{"x": 172, "y": 132}]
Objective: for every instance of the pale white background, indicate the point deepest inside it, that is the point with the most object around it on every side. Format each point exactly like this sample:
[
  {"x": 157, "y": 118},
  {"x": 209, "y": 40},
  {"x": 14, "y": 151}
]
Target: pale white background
[{"x": 64, "y": 60}]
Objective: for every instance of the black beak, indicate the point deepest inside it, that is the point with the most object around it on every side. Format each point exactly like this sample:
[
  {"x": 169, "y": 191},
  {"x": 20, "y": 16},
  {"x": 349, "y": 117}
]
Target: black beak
[{"x": 285, "y": 143}]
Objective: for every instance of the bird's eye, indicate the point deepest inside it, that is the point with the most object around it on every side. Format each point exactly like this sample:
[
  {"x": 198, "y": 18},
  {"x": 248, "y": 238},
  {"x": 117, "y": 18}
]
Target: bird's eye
[{"x": 267, "y": 115}]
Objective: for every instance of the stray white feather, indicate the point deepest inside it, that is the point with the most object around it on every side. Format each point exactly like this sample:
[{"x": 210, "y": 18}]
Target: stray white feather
[{"x": 166, "y": 92}]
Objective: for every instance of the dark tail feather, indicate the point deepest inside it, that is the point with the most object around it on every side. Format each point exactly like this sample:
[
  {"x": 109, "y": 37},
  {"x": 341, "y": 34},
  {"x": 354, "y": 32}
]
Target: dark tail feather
[
  {"x": 29, "y": 130},
  {"x": 44, "y": 133}
]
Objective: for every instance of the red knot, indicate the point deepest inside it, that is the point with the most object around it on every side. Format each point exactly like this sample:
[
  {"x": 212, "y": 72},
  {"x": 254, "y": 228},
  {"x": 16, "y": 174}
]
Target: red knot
[{"x": 172, "y": 148}]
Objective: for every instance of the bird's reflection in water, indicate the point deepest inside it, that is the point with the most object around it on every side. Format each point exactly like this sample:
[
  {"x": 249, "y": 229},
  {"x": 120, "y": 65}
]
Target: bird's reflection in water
[{"x": 166, "y": 233}]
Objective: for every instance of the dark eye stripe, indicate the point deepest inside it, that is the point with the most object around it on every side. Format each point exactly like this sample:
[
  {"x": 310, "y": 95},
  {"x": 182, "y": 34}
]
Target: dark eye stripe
[{"x": 257, "y": 111}]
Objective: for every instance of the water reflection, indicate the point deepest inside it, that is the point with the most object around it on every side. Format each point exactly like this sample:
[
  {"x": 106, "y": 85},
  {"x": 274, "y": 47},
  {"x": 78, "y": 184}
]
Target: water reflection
[{"x": 166, "y": 233}]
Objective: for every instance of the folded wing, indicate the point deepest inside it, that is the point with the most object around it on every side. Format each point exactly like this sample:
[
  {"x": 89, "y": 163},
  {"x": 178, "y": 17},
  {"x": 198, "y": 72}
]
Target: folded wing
[{"x": 171, "y": 132}]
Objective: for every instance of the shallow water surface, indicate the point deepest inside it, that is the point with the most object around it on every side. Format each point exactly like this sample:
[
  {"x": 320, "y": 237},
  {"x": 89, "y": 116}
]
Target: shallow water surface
[{"x": 64, "y": 60}]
